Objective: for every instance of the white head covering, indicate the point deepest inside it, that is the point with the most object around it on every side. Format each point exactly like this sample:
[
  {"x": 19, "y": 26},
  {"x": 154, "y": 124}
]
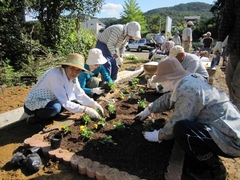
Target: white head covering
[
  {"x": 134, "y": 29},
  {"x": 95, "y": 56}
]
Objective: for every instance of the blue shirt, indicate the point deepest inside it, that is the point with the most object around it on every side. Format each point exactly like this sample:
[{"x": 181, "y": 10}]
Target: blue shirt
[{"x": 84, "y": 77}]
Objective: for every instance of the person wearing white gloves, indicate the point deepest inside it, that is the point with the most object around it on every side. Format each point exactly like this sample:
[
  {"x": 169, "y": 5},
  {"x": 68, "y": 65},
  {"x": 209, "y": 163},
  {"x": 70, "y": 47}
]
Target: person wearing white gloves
[
  {"x": 91, "y": 83},
  {"x": 116, "y": 37},
  {"x": 58, "y": 89},
  {"x": 204, "y": 121},
  {"x": 229, "y": 26}
]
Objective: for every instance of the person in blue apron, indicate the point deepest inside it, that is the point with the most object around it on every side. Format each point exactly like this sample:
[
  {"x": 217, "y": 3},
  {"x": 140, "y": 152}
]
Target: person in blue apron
[{"x": 116, "y": 37}]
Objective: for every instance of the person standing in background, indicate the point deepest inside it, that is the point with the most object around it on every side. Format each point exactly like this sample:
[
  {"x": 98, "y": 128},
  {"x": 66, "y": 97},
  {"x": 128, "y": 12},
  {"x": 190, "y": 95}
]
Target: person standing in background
[
  {"x": 230, "y": 26},
  {"x": 113, "y": 37},
  {"x": 187, "y": 37},
  {"x": 167, "y": 46},
  {"x": 160, "y": 38},
  {"x": 207, "y": 43},
  {"x": 177, "y": 39}
]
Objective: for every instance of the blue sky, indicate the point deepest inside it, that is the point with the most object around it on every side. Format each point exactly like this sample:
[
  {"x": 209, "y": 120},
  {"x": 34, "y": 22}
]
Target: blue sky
[{"x": 113, "y": 8}]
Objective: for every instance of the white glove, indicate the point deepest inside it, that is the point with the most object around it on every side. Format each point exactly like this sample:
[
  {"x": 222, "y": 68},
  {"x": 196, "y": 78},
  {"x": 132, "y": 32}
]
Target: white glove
[
  {"x": 92, "y": 113},
  {"x": 98, "y": 106},
  {"x": 218, "y": 47},
  {"x": 97, "y": 91},
  {"x": 119, "y": 61},
  {"x": 144, "y": 114},
  {"x": 152, "y": 136}
]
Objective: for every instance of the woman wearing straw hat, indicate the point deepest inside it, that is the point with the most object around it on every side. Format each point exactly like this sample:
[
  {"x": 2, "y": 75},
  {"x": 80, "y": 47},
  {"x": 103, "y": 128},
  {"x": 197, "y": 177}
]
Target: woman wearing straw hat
[
  {"x": 116, "y": 37},
  {"x": 90, "y": 83},
  {"x": 204, "y": 122},
  {"x": 59, "y": 89}
]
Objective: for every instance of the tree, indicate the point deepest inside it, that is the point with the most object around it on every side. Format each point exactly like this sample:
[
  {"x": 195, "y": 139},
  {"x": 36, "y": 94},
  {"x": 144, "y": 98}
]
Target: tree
[{"x": 132, "y": 12}]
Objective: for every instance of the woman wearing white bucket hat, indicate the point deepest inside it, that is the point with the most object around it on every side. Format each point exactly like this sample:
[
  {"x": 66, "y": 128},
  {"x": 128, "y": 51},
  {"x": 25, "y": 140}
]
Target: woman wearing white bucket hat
[
  {"x": 91, "y": 83},
  {"x": 116, "y": 37},
  {"x": 204, "y": 122},
  {"x": 58, "y": 89}
]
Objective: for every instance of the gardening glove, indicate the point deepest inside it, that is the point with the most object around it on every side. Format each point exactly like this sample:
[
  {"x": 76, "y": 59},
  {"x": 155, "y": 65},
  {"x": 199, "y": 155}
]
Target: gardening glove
[
  {"x": 152, "y": 136},
  {"x": 92, "y": 113},
  {"x": 144, "y": 114},
  {"x": 97, "y": 91},
  {"x": 218, "y": 47},
  {"x": 119, "y": 61},
  {"x": 98, "y": 106}
]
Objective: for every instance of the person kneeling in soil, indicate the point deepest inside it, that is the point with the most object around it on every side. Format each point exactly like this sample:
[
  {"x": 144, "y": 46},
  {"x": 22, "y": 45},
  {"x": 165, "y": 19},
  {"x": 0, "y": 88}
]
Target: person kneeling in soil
[
  {"x": 90, "y": 83},
  {"x": 59, "y": 89},
  {"x": 204, "y": 122}
]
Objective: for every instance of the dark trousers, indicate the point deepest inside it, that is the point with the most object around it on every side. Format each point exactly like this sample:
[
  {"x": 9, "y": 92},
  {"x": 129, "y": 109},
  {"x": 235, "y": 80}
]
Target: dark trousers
[{"x": 195, "y": 139}]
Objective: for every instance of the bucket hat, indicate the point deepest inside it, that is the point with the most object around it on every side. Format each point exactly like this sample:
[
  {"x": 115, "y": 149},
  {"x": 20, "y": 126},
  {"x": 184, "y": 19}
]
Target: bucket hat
[
  {"x": 175, "y": 50},
  {"x": 169, "y": 69},
  {"x": 75, "y": 60},
  {"x": 134, "y": 30},
  {"x": 190, "y": 23},
  {"x": 95, "y": 56}
]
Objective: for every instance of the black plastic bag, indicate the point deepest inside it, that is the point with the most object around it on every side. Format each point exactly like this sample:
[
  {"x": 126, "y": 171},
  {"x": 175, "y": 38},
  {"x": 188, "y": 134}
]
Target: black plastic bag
[
  {"x": 17, "y": 159},
  {"x": 33, "y": 162}
]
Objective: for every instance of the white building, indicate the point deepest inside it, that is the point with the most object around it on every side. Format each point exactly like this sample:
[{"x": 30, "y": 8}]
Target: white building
[{"x": 94, "y": 24}]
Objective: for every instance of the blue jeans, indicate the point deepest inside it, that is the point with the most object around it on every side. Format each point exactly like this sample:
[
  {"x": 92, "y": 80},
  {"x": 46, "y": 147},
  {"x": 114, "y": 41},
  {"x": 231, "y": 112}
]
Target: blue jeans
[
  {"x": 50, "y": 110},
  {"x": 111, "y": 64}
]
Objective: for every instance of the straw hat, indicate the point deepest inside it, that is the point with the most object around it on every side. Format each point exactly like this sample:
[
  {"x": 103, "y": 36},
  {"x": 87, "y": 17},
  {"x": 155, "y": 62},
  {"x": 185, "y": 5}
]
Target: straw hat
[
  {"x": 190, "y": 23},
  {"x": 169, "y": 69},
  {"x": 95, "y": 56},
  {"x": 134, "y": 30}
]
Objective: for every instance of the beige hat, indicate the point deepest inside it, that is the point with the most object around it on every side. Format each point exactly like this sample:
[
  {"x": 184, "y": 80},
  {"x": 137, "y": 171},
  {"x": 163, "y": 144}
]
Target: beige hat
[
  {"x": 209, "y": 33},
  {"x": 95, "y": 56},
  {"x": 175, "y": 50},
  {"x": 76, "y": 60},
  {"x": 134, "y": 30},
  {"x": 190, "y": 23},
  {"x": 169, "y": 69}
]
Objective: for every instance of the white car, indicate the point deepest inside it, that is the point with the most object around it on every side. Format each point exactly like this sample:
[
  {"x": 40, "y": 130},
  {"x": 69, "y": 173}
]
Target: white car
[{"x": 142, "y": 44}]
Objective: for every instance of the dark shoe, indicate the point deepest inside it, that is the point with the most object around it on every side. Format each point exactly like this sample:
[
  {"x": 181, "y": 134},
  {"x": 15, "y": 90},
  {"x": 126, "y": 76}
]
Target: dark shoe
[
  {"x": 61, "y": 116},
  {"x": 32, "y": 120}
]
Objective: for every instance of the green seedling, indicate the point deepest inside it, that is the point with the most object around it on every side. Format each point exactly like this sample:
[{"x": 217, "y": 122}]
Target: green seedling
[{"x": 118, "y": 125}]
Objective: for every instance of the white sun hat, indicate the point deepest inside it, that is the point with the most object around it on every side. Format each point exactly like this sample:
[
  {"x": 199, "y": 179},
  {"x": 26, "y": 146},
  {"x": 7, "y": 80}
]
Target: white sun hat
[
  {"x": 134, "y": 30},
  {"x": 95, "y": 56}
]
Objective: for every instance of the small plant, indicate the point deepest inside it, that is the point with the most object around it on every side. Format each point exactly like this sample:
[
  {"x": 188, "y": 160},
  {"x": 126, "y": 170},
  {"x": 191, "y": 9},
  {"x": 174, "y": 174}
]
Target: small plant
[
  {"x": 148, "y": 126},
  {"x": 65, "y": 129},
  {"x": 131, "y": 96},
  {"x": 119, "y": 125},
  {"x": 111, "y": 85},
  {"x": 142, "y": 103},
  {"x": 102, "y": 121},
  {"x": 86, "y": 132},
  {"x": 141, "y": 91},
  {"x": 126, "y": 90},
  {"x": 134, "y": 86},
  {"x": 108, "y": 140},
  {"x": 121, "y": 95},
  {"x": 111, "y": 108},
  {"x": 135, "y": 80},
  {"x": 86, "y": 118}
]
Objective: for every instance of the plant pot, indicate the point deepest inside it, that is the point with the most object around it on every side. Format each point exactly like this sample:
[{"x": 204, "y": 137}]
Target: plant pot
[
  {"x": 140, "y": 109},
  {"x": 56, "y": 141}
]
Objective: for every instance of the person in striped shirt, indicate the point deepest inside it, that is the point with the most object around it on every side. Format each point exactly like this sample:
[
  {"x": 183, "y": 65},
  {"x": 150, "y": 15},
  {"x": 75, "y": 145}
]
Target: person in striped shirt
[{"x": 116, "y": 37}]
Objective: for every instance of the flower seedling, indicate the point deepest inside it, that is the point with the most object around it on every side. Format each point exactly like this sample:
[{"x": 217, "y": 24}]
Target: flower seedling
[
  {"x": 86, "y": 132},
  {"x": 142, "y": 103},
  {"x": 108, "y": 140},
  {"x": 86, "y": 118},
  {"x": 121, "y": 95},
  {"x": 126, "y": 90},
  {"x": 136, "y": 80},
  {"x": 131, "y": 96},
  {"x": 141, "y": 91},
  {"x": 102, "y": 121},
  {"x": 118, "y": 125},
  {"x": 111, "y": 85},
  {"x": 65, "y": 129},
  {"x": 148, "y": 126},
  {"x": 134, "y": 86},
  {"x": 111, "y": 108}
]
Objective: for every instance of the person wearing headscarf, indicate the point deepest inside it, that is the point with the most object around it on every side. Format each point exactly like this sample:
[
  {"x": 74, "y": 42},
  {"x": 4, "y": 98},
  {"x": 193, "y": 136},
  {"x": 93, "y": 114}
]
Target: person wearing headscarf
[
  {"x": 58, "y": 89},
  {"x": 116, "y": 37},
  {"x": 204, "y": 122}
]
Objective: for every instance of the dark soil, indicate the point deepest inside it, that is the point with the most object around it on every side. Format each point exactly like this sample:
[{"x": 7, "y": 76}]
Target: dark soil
[{"x": 128, "y": 150}]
